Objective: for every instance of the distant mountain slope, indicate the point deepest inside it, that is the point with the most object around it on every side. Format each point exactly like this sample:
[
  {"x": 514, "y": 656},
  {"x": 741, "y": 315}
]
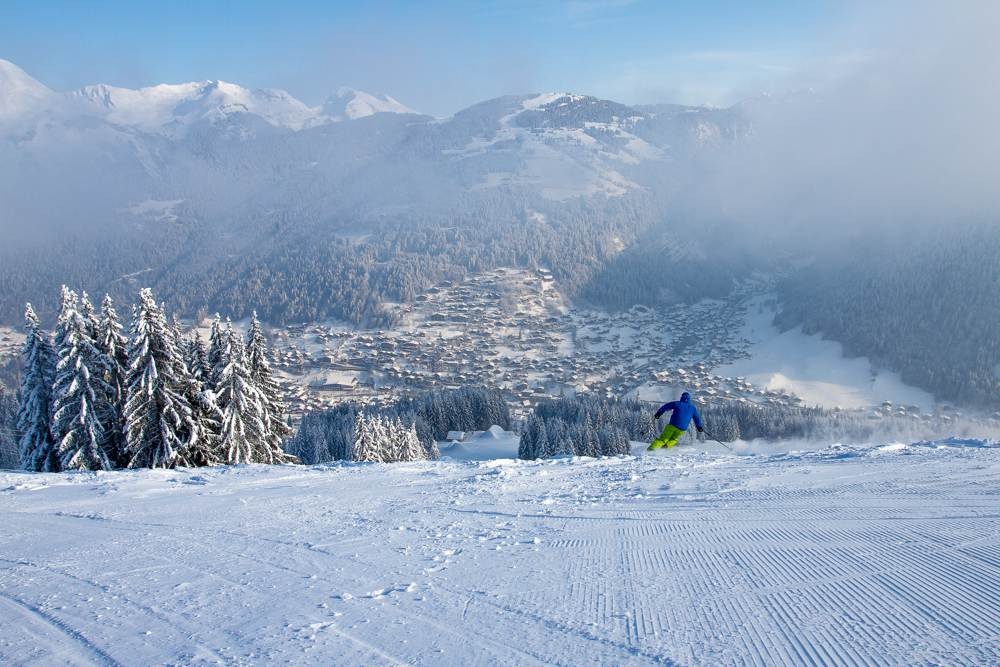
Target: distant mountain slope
[
  {"x": 194, "y": 185},
  {"x": 924, "y": 306},
  {"x": 20, "y": 95},
  {"x": 350, "y": 104}
]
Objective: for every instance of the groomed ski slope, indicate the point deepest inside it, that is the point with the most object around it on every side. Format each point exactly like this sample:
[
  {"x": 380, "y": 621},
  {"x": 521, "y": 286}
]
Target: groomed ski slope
[{"x": 839, "y": 555}]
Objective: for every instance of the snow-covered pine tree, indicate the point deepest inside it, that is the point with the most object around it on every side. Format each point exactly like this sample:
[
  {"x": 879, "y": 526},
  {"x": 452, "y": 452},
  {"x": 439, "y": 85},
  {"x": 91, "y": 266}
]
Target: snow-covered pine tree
[
  {"x": 462, "y": 416},
  {"x": 278, "y": 429},
  {"x": 244, "y": 427},
  {"x": 526, "y": 443},
  {"x": 175, "y": 328},
  {"x": 216, "y": 347},
  {"x": 69, "y": 302},
  {"x": 114, "y": 346},
  {"x": 388, "y": 437},
  {"x": 9, "y": 456},
  {"x": 112, "y": 343},
  {"x": 591, "y": 443},
  {"x": 158, "y": 418},
  {"x": 431, "y": 451},
  {"x": 89, "y": 316},
  {"x": 80, "y": 393},
  {"x": 533, "y": 439},
  {"x": 36, "y": 445},
  {"x": 385, "y": 438},
  {"x": 358, "y": 435},
  {"x": 410, "y": 447},
  {"x": 369, "y": 439},
  {"x": 203, "y": 444},
  {"x": 197, "y": 358},
  {"x": 202, "y": 447}
]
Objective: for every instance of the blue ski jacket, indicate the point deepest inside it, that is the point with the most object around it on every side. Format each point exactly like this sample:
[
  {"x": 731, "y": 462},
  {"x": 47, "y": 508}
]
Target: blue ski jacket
[{"x": 684, "y": 410}]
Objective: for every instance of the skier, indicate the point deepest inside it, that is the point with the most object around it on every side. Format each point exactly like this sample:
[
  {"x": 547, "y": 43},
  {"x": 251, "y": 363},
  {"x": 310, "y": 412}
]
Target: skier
[{"x": 683, "y": 411}]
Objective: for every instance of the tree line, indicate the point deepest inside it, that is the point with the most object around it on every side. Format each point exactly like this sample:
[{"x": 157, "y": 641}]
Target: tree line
[
  {"x": 584, "y": 426},
  {"x": 92, "y": 398},
  {"x": 353, "y": 432},
  {"x": 592, "y": 426},
  {"x": 733, "y": 420}
]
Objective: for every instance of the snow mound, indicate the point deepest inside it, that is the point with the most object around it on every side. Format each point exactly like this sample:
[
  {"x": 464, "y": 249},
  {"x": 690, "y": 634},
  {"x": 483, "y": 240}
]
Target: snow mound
[{"x": 488, "y": 445}]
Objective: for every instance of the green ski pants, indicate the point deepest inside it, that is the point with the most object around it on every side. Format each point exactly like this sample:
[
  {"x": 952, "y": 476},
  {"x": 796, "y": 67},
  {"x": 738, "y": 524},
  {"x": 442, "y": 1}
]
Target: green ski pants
[{"x": 671, "y": 434}]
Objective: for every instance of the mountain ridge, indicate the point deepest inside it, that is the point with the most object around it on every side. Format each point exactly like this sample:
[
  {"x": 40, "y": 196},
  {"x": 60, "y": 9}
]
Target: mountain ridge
[{"x": 166, "y": 105}]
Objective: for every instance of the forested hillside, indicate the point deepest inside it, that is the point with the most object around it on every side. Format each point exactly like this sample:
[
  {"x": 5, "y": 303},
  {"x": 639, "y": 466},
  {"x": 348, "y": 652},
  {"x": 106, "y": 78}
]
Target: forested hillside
[
  {"x": 298, "y": 272},
  {"x": 926, "y": 306}
]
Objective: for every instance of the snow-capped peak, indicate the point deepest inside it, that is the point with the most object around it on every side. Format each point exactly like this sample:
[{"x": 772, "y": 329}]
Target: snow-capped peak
[
  {"x": 19, "y": 93},
  {"x": 170, "y": 108},
  {"x": 154, "y": 107},
  {"x": 544, "y": 99},
  {"x": 349, "y": 104}
]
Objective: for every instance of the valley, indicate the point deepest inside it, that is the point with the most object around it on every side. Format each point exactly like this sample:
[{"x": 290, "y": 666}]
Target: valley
[{"x": 514, "y": 330}]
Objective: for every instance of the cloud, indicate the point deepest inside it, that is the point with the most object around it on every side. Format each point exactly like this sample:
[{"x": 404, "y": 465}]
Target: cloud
[
  {"x": 712, "y": 77},
  {"x": 897, "y": 133}
]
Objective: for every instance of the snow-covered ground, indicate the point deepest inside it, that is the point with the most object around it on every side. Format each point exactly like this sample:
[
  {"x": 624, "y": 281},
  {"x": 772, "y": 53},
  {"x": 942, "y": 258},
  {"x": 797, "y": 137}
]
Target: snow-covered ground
[
  {"x": 815, "y": 369},
  {"x": 482, "y": 446},
  {"x": 829, "y": 555}
]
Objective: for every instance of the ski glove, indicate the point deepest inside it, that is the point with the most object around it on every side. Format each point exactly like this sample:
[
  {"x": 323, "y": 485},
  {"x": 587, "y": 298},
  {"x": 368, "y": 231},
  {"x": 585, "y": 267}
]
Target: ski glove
[{"x": 700, "y": 429}]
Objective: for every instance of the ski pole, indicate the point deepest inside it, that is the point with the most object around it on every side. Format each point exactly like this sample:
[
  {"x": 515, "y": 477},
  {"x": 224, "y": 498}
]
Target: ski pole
[{"x": 717, "y": 440}]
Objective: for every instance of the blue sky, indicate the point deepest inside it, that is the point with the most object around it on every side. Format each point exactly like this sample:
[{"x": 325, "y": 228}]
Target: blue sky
[{"x": 434, "y": 56}]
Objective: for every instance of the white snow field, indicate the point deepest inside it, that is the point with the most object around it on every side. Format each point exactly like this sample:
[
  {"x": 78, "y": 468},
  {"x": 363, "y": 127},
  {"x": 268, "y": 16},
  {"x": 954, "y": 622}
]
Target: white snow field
[
  {"x": 841, "y": 555},
  {"x": 815, "y": 369}
]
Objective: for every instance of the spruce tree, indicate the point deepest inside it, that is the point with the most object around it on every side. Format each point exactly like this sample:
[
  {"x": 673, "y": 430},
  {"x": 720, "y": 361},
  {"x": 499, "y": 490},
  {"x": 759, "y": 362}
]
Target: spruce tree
[
  {"x": 203, "y": 444},
  {"x": 244, "y": 424},
  {"x": 274, "y": 405},
  {"x": 410, "y": 447},
  {"x": 158, "y": 418},
  {"x": 216, "y": 345},
  {"x": 9, "y": 455},
  {"x": 365, "y": 446},
  {"x": 390, "y": 442},
  {"x": 382, "y": 438},
  {"x": 431, "y": 451},
  {"x": 89, "y": 316},
  {"x": 79, "y": 393},
  {"x": 36, "y": 445},
  {"x": 175, "y": 330},
  {"x": 196, "y": 357},
  {"x": 114, "y": 346},
  {"x": 69, "y": 302}
]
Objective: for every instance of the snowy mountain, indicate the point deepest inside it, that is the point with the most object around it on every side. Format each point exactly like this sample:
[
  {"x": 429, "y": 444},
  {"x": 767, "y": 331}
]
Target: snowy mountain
[
  {"x": 223, "y": 177},
  {"x": 559, "y": 144},
  {"x": 350, "y": 104},
  {"x": 224, "y": 153},
  {"x": 168, "y": 107},
  {"x": 20, "y": 95},
  {"x": 172, "y": 108}
]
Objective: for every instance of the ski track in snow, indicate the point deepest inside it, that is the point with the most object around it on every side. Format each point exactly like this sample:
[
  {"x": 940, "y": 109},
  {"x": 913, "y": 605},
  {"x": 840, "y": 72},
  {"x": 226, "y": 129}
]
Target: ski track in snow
[{"x": 839, "y": 556}]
